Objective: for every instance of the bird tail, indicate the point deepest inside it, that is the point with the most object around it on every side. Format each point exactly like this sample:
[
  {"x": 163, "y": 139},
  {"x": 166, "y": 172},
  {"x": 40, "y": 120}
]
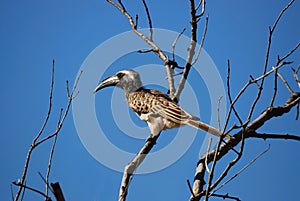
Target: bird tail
[{"x": 205, "y": 127}]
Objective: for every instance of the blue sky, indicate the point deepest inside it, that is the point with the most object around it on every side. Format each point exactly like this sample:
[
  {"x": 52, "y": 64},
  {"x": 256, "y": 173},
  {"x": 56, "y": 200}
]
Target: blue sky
[{"x": 35, "y": 32}]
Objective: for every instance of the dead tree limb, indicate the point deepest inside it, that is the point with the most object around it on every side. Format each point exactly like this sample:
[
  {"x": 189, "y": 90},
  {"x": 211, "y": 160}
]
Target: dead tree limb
[
  {"x": 193, "y": 42},
  {"x": 131, "y": 168},
  {"x": 247, "y": 133},
  {"x": 38, "y": 140},
  {"x": 57, "y": 192}
]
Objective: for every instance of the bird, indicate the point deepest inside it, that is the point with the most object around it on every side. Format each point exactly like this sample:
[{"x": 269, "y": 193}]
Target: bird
[{"x": 153, "y": 106}]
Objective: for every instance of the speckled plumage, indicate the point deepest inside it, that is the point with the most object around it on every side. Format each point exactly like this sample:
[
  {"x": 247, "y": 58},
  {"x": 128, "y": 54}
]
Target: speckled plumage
[
  {"x": 152, "y": 106},
  {"x": 145, "y": 101}
]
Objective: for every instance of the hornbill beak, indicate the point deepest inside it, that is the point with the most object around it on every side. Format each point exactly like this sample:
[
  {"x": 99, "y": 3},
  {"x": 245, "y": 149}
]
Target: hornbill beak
[{"x": 110, "y": 81}]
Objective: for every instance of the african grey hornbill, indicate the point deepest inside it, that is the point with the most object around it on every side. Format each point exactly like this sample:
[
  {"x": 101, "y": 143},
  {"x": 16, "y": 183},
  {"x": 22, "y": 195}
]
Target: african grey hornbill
[{"x": 152, "y": 106}]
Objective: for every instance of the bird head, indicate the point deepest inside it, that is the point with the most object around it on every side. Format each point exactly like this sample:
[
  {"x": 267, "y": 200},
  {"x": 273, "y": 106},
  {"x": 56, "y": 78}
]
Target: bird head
[{"x": 128, "y": 80}]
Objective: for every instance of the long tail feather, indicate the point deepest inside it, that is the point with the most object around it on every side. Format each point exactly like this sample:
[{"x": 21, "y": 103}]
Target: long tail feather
[{"x": 205, "y": 127}]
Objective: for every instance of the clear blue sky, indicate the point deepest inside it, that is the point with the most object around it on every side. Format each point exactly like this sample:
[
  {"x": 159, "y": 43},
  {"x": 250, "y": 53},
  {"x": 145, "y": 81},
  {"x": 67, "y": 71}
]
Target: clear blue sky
[{"x": 34, "y": 32}]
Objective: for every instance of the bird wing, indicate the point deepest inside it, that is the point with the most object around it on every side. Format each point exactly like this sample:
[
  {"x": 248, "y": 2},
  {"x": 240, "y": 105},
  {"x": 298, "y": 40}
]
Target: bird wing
[
  {"x": 168, "y": 109},
  {"x": 145, "y": 101}
]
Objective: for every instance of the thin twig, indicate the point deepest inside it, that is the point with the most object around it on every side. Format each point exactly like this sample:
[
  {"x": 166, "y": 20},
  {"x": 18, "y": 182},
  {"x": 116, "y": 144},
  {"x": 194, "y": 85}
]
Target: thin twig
[
  {"x": 271, "y": 30},
  {"x": 154, "y": 46},
  {"x": 11, "y": 192},
  {"x": 36, "y": 143},
  {"x": 190, "y": 187},
  {"x": 208, "y": 150},
  {"x": 214, "y": 162},
  {"x": 231, "y": 163},
  {"x": 229, "y": 95},
  {"x": 218, "y": 111},
  {"x": 281, "y": 13},
  {"x": 203, "y": 4},
  {"x": 241, "y": 170},
  {"x": 23, "y": 193},
  {"x": 44, "y": 180},
  {"x": 191, "y": 50},
  {"x": 269, "y": 72},
  {"x": 136, "y": 21},
  {"x": 149, "y": 20},
  {"x": 32, "y": 189},
  {"x": 198, "y": 6},
  {"x": 285, "y": 83},
  {"x": 33, "y": 144},
  {"x": 51, "y": 154},
  {"x": 145, "y": 51},
  {"x": 156, "y": 49},
  {"x": 275, "y": 87},
  {"x": 202, "y": 41},
  {"x": 175, "y": 42},
  {"x": 297, "y": 112},
  {"x": 122, "y": 5},
  {"x": 226, "y": 196},
  {"x": 295, "y": 72},
  {"x": 291, "y": 52},
  {"x": 42, "y": 177},
  {"x": 265, "y": 136}
]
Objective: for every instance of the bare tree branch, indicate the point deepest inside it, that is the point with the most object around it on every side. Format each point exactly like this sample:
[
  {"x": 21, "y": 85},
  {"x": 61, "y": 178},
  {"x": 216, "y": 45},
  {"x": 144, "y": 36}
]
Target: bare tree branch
[
  {"x": 275, "y": 87},
  {"x": 131, "y": 168},
  {"x": 229, "y": 95},
  {"x": 296, "y": 75},
  {"x": 265, "y": 136},
  {"x": 35, "y": 142},
  {"x": 37, "y": 137},
  {"x": 149, "y": 19},
  {"x": 202, "y": 41},
  {"x": 191, "y": 49},
  {"x": 226, "y": 196},
  {"x": 190, "y": 187},
  {"x": 289, "y": 53},
  {"x": 149, "y": 41},
  {"x": 57, "y": 192},
  {"x": 247, "y": 132},
  {"x": 285, "y": 83},
  {"x": 241, "y": 170},
  {"x": 271, "y": 31},
  {"x": 11, "y": 192},
  {"x": 175, "y": 42},
  {"x": 32, "y": 189},
  {"x": 246, "y": 129},
  {"x": 281, "y": 62},
  {"x": 208, "y": 150},
  {"x": 156, "y": 49},
  {"x": 272, "y": 112},
  {"x": 214, "y": 162},
  {"x": 229, "y": 166},
  {"x": 51, "y": 156}
]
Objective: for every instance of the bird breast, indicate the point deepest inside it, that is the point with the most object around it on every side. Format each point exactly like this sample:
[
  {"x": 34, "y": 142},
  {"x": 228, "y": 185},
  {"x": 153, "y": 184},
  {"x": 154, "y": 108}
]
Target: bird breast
[{"x": 141, "y": 102}]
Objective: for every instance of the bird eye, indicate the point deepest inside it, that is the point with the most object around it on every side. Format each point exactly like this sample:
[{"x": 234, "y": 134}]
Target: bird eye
[{"x": 120, "y": 75}]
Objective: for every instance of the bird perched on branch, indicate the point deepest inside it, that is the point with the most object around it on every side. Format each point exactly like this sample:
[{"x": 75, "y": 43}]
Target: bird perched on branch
[{"x": 152, "y": 106}]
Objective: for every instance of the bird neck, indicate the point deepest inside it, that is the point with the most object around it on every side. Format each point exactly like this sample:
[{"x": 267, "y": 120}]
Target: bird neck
[{"x": 132, "y": 87}]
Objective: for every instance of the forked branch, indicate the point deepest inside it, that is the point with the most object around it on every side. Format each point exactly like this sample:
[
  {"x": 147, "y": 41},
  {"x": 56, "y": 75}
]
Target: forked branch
[{"x": 38, "y": 141}]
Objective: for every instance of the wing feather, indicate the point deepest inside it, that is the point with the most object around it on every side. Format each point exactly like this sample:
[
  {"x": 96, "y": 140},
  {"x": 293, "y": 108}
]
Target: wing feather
[{"x": 145, "y": 101}]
